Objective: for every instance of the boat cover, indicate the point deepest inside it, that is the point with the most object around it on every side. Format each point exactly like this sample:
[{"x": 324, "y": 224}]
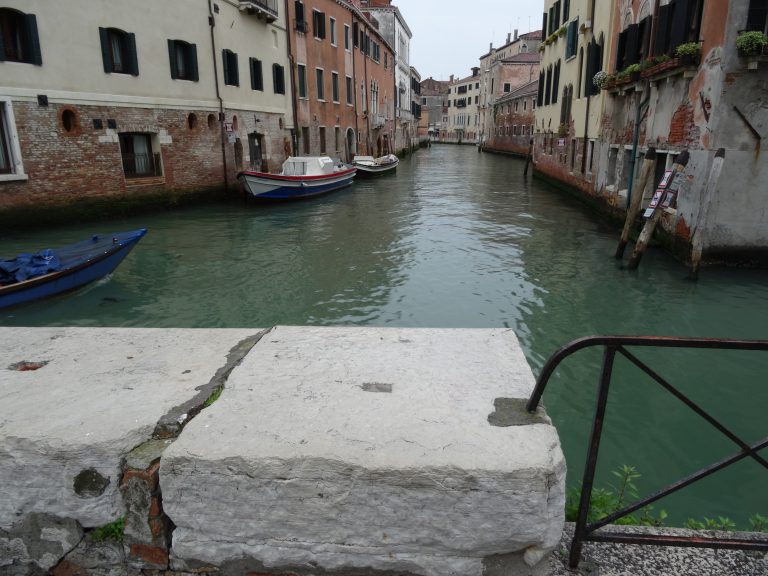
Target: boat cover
[{"x": 26, "y": 266}]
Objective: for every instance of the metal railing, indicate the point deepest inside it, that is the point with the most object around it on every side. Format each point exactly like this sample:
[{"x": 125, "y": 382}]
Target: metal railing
[
  {"x": 142, "y": 165},
  {"x": 614, "y": 345},
  {"x": 269, "y": 7}
]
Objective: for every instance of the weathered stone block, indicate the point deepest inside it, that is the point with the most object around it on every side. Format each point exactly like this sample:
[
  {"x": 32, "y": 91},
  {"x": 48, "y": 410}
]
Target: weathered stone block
[{"x": 367, "y": 449}]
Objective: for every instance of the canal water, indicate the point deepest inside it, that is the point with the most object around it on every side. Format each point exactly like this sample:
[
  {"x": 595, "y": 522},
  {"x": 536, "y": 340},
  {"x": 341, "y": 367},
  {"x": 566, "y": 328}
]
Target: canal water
[{"x": 460, "y": 239}]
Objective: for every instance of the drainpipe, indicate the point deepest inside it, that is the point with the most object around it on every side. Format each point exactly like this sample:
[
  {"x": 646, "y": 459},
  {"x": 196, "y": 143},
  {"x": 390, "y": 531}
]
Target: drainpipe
[
  {"x": 354, "y": 87},
  {"x": 294, "y": 96},
  {"x": 635, "y": 142},
  {"x": 589, "y": 97},
  {"x": 367, "y": 107},
  {"x": 212, "y": 24}
]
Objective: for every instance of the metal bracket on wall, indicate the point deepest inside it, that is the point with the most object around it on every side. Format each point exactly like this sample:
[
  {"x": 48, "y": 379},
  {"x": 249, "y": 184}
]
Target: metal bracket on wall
[{"x": 746, "y": 121}]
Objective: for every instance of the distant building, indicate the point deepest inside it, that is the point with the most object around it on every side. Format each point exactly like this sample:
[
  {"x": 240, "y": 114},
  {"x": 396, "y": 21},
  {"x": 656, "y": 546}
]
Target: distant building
[
  {"x": 463, "y": 107},
  {"x": 499, "y": 74},
  {"x": 415, "y": 105},
  {"x": 514, "y": 119},
  {"x": 434, "y": 99}
]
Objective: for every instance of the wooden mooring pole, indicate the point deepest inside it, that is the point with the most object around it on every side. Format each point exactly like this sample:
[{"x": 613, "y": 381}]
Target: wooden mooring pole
[
  {"x": 636, "y": 200},
  {"x": 670, "y": 187},
  {"x": 528, "y": 157},
  {"x": 697, "y": 242}
]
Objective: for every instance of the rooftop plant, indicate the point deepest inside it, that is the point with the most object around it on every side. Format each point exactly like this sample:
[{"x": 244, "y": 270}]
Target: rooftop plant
[{"x": 751, "y": 43}]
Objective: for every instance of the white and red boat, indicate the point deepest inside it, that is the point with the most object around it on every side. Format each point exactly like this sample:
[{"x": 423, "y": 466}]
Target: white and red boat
[{"x": 302, "y": 177}]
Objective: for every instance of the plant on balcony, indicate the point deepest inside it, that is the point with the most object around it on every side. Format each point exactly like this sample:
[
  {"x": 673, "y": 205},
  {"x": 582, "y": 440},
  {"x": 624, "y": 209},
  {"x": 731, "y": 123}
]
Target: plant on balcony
[
  {"x": 600, "y": 79},
  {"x": 751, "y": 43},
  {"x": 688, "y": 53},
  {"x": 541, "y": 47},
  {"x": 562, "y": 31},
  {"x": 633, "y": 72}
]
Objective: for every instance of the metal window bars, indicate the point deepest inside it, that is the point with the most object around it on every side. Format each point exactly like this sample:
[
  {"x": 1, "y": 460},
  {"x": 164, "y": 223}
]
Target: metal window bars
[{"x": 614, "y": 345}]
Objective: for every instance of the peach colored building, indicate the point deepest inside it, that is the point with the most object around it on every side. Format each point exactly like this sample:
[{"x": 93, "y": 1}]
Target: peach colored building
[{"x": 343, "y": 80}]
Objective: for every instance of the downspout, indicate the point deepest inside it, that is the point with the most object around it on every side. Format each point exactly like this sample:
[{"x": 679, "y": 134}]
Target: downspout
[
  {"x": 367, "y": 107},
  {"x": 294, "y": 96},
  {"x": 354, "y": 88},
  {"x": 635, "y": 142},
  {"x": 212, "y": 24}
]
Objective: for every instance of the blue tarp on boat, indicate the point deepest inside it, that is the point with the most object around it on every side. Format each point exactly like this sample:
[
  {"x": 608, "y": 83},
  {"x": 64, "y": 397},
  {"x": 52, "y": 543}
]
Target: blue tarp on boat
[{"x": 26, "y": 266}]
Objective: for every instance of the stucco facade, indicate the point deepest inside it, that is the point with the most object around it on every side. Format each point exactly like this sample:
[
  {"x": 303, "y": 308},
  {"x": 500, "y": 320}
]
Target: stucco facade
[
  {"x": 513, "y": 121},
  {"x": 463, "y": 126},
  {"x": 131, "y": 99},
  {"x": 434, "y": 98},
  {"x": 395, "y": 30},
  {"x": 343, "y": 75}
]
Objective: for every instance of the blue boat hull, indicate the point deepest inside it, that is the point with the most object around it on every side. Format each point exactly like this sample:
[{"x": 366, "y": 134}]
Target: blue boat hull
[{"x": 91, "y": 268}]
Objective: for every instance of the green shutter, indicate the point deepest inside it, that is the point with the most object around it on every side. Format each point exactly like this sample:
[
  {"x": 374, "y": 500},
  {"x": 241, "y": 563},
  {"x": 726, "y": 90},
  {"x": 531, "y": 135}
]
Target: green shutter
[
  {"x": 236, "y": 71},
  {"x": 193, "y": 74},
  {"x": 172, "y": 59},
  {"x": 133, "y": 61},
  {"x": 30, "y": 23},
  {"x": 104, "y": 36},
  {"x": 225, "y": 65}
]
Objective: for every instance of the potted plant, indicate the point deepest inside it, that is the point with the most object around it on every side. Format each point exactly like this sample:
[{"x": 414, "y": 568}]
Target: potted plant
[
  {"x": 562, "y": 31},
  {"x": 600, "y": 79},
  {"x": 632, "y": 72},
  {"x": 688, "y": 53},
  {"x": 751, "y": 43}
]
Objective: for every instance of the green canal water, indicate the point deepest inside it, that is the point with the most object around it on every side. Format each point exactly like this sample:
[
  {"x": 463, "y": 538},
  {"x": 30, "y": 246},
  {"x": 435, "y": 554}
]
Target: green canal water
[{"x": 460, "y": 239}]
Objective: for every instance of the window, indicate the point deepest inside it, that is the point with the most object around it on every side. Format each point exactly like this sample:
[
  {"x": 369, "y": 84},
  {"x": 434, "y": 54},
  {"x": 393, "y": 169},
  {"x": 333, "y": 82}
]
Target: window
[
  {"x": 118, "y": 51},
  {"x": 355, "y": 28},
  {"x": 335, "y": 86},
  {"x": 231, "y": 71},
  {"x": 11, "y": 167},
  {"x": 257, "y": 77},
  {"x": 322, "y": 140},
  {"x": 507, "y": 86},
  {"x": 301, "y": 22},
  {"x": 318, "y": 24},
  {"x": 333, "y": 30},
  {"x": 572, "y": 39},
  {"x": 346, "y": 37},
  {"x": 757, "y": 17},
  {"x": 385, "y": 61},
  {"x": 139, "y": 161},
  {"x": 19, "y": 41},
  {"x": 302, "y": 70},
  {"x": 305, "y": 139},
  {"x": 349, "y": 90},
  {"x": 320, "y": 77},
  {"x": 183, "y": 59},
  {"x": 278, "y": 79}
]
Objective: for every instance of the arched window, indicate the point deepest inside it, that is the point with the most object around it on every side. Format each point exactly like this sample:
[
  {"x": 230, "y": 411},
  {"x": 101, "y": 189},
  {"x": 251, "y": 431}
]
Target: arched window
[{"x": 118, "y": 51}]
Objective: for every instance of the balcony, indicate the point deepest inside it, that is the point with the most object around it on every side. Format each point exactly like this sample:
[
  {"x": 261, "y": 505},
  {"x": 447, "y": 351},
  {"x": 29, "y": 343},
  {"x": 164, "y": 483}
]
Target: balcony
[{"x": 266, "y": 9}]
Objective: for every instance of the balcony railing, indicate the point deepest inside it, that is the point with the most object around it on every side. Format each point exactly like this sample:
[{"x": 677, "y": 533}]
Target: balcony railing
[
  {"x": 142, "y": 165},
  {"x": 266, "y": 9}
]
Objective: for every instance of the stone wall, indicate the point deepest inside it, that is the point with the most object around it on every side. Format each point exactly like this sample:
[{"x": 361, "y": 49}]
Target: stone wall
[{"x": 329, "y": 450}]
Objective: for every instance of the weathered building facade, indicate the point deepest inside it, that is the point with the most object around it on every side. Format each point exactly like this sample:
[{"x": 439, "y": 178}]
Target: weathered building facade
[
  {"x": 434, "y": 100},
  {"x": 710, "y": 99},
  {"x": 497, "y": 79},
  {"x": 513, "y": 120},
  {"x": 463, "y": 110},
  {"x": 343, "y": 74},
  {"x": 130, "y": 100},
  {"x": 395, "y": 30}
]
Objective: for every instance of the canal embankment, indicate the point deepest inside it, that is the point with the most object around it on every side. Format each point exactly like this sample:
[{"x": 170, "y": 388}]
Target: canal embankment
[{"x": 288, "y": 450}]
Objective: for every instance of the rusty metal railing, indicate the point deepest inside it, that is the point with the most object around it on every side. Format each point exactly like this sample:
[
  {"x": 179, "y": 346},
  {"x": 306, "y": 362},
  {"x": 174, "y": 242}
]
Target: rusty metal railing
[{"x": 614, "y": 345}]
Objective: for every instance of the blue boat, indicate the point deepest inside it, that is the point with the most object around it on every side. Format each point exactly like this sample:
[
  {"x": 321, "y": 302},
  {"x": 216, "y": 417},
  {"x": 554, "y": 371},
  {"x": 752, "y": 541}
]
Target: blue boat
[{"x": 54, "y": 271}]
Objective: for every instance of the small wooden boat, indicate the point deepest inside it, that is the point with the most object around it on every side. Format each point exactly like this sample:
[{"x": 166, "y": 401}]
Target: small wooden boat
[
  {"x": 370, "y": 166},
  {"x": 302, "y": 177},
  {"x": 53, "y": 271}
]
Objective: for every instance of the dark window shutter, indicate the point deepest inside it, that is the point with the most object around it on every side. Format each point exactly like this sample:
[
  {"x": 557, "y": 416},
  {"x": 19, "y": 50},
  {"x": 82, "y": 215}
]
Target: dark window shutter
[
  {"x": 644, "y": 38},
  {"x": 551, "y": 20},
  {"x": 30, "y": 24},
  {"x": 192, "y": 64},
  {"x": 172, "y": 59},
  {"x": 757, "y": 15},
  {"x": 540, "y": 95},
  {"x": 544, "y": 26},
  {"x": 548, "y": 87},
  {"x": 679, "y": 22},
  {"x": 299, "y": 11},
  {"x": 631, "y": 48},
  {"x": 597, "y": 63},
  {"x": 555, "y": 82},
  {"x": 234, "y": 70},
  {"x": 589, "y": 72},
  {"x": 104, "y": 36},
  {"x": 661, "y": 41},
  {"x": 355, "y": 28},
  {"x": 621, "y": 47},
  {"x": 2, "y": 51},
  {"x": 225, "y": 66},
  {"x": 133, "y": 61},
  {"x": 322, "y": 24},
  {"x": 557, "y": 14},
  {"x": 566, "y": 10}
]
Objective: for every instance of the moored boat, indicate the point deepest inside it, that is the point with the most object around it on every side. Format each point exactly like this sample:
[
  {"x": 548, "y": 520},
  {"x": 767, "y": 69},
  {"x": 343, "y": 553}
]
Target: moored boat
[
  {"x": 370, "y": 166},
  {"x": 30, "y": 277},
  {"x": 301, "y": 177}
]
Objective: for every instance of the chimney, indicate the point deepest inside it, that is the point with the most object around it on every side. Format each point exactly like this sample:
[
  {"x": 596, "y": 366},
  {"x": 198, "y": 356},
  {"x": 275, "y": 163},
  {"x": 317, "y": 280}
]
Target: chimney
[
  {"x": 475, "y": 71},
  {"x": 451, "y": 80},
  {"x": 515, "y": 33},
  {"x": 490, "y": 48},
  {"x": 509, "y": 37}
]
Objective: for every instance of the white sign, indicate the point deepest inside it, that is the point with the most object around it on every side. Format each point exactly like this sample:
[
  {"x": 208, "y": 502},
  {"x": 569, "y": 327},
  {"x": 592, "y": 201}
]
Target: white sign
[{"x": 228, "y": 127}]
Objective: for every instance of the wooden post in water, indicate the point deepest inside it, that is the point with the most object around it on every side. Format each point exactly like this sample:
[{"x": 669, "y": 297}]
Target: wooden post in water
[
  {"x": 652, "y": 219},
  {"x": 697, "y": 242},
  {"x": 634, "y": 204},
  {"x": 528, "y": 157}
]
